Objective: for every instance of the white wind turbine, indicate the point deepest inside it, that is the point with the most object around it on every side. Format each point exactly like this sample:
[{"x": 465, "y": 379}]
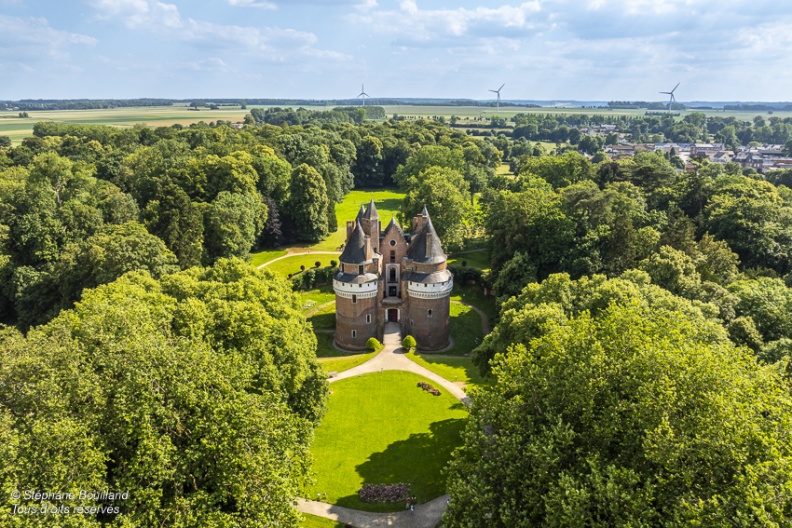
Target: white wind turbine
[
  {"x": 671, "y": 99},
  {"x": 363, "y": 94},
  {"x": 498, "y": 91}
]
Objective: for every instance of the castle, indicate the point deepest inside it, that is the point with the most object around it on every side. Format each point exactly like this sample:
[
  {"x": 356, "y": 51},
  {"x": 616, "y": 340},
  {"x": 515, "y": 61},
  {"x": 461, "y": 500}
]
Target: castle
[{"x": 389, "y": 276}]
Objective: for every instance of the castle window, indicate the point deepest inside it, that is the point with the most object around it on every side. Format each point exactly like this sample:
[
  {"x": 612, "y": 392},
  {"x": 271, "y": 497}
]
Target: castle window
[
  {"x": 393, "y": 255},
  {"x": 354, "y": 299},
  {"x": 429, "y": 313},
  {"x": 392, "y": 242},
  {"x": 392, "y": 275},
  {"x": 354, "y": 333},
  {"x": 368, "y": 318},
  {"x": 361, "y": 270}
]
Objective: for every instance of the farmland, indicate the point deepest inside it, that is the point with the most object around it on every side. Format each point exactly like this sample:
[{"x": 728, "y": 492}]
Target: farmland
[{"x": 18, "y": 128}]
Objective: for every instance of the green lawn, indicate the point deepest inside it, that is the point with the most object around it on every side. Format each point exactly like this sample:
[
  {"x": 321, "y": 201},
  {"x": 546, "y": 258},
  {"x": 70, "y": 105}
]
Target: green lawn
[
  {"x": 312, "y": 521},
  {"x": 257, "y": 259},
  {"x": 476, "y": 259},
  {"x": 324, "y": 318},
  {"x": 317, "y": 296},
  {"x": 382, "y": 428},
  {"x": 475, "y": 295},
  {"x": 387, "y": 203},
  {"x": 292, "y": 264},
  {"x": 452, "y": 368},
  {"x": 342, "y": 363},
  {"x": 334, "y": 360}
]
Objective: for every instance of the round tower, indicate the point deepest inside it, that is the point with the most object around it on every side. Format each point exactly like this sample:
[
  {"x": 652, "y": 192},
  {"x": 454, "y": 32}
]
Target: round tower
[
  {"x": 428, "y": 284},
  {"x": 356, "y": 286}
]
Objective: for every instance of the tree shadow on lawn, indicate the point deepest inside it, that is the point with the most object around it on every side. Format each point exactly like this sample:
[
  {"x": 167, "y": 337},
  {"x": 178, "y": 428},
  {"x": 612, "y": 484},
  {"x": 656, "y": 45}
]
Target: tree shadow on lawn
[
  {"x": 323, "y": 321},
  {"x": 418, "y": 461}
]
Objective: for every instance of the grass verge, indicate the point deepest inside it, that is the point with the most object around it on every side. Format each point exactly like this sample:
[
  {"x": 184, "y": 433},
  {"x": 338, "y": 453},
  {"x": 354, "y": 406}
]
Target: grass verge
[{"x": 382, "y": 428}]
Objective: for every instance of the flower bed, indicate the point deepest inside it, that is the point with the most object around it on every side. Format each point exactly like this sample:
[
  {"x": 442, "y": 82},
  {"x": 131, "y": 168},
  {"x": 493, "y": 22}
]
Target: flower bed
[
  {"x": 428, "y": 388},
  {"x": 384, "y": 492}
]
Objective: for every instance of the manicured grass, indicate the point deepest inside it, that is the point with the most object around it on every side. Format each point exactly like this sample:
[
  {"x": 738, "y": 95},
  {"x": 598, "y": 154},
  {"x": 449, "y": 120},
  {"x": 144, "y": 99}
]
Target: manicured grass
[
  {"x": 313, "y": 298},
  {"x": 476, "y": 259},
  {"x": 475, "y": 295},
  {"x": 451, "y": 368},
  {"x": 292, "y": 264},
  {"x": 386, "y": 201},
  {"x": 383, "y": 428},
  {"x": 334, "y": 360},
  {"x": 342, "y": 363},
  {"x": 257, "y": 259},
  {"x": 324, "y": 318},
  {"x": 312, "y": 521}
]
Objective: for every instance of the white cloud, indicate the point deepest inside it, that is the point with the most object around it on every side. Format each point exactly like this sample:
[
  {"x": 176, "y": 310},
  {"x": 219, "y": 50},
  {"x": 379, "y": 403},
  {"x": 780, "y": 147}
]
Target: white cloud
[
  {"x": 140, "y": 13},
  {"x": 33, "y": 37},
  {"x": 252, "y": 3},
  {"x": 412, "y": 23}
]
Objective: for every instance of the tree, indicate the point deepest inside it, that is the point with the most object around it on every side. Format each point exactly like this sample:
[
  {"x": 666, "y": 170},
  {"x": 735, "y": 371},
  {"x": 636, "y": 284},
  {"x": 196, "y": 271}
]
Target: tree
[
  {"x": 307, "y": 205},
  {"x": 426, "y": 158},
  {"x": 443, "y": 193},
  {"x": 232, "y": 224},
  {"x": 179, "y": 222},
  {"x": 163, "y": 389},
  {"x": 616, "y": 418},
  {"x": 5, "y": 141}
]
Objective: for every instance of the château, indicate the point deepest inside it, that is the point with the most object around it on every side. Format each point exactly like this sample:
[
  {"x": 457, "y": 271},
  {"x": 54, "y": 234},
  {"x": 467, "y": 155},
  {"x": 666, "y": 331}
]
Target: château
[{"x": 392, "y": 277}]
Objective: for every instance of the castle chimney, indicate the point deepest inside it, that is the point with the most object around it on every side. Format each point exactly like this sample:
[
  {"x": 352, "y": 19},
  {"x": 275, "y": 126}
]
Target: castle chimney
[
  {"x": 429, "y": 245},
  {"x": 350, "y": 228},
  {"x": 368, "y": 248}
]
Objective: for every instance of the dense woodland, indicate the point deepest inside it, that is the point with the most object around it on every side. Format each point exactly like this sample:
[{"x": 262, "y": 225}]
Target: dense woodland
[{"x": 640, "y": 360}]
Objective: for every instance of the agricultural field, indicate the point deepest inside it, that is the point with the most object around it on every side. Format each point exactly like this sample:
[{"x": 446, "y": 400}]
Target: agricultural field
[
  {"x": 382, "y": 428},
  {"x": 19, "y": 128}
]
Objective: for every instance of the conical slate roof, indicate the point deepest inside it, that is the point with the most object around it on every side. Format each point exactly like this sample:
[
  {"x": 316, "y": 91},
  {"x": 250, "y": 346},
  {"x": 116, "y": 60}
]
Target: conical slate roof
[
  {"x": 361, "y": 213},
  {"x": 371, "y": 212},
  {"x": 425, "y": 245},
  {"x": 355, "y": 250}
]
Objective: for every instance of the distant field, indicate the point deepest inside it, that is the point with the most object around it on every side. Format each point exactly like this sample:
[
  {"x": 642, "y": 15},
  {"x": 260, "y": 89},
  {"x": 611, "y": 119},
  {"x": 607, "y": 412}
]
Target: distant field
[
  {"x": 20, "y": 128},
  {"x": 508, "y": 112}
]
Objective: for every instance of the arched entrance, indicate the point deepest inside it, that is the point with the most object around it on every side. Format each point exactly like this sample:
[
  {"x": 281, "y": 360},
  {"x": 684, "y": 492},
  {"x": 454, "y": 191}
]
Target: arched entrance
[{"x": 393, "y": 315}]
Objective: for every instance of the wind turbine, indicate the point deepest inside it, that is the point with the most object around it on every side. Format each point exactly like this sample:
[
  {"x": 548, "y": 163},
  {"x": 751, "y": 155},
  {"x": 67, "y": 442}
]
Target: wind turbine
[
  {"x": 497, "y": 104},
  {"x": 363, "y": 94},
  {"x": 671, "y": 99}
]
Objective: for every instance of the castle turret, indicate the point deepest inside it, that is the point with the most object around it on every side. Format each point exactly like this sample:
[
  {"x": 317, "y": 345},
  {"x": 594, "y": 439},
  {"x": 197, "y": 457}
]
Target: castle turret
[
  {"x": 371, "y": 224},
  {"x": 356, "y": 288},
  {"x": 428, "y": 284}
]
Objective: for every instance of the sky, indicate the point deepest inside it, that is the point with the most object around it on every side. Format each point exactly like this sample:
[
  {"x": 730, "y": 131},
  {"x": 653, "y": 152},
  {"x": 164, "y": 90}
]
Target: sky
[{"x": 585, "y": 50}]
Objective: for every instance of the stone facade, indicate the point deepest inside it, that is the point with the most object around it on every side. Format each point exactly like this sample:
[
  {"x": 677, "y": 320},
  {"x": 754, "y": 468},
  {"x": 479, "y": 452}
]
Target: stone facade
[{"x": 392, "y": 276}]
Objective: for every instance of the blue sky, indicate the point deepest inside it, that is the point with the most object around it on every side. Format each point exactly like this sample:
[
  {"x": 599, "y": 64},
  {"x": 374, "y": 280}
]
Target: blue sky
[{"x": 542, "y": 49}]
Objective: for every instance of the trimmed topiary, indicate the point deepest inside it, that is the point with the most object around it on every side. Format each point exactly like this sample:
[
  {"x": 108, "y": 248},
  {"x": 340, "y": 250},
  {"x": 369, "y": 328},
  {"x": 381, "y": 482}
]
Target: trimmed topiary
[
  {"x": 372, "y": 344},
  {"x": 409, "y": 342},
  {"x": 318, "y": 264}
]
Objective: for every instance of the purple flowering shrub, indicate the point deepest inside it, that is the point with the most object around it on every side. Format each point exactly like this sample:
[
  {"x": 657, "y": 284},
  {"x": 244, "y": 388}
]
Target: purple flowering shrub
[{"x": 384, "y": 492}]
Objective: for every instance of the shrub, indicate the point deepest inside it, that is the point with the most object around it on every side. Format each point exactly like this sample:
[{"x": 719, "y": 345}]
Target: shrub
[
  {"x": 409, "y": 342},
  {"x": 302, "y": 267},
  {"x": 317, "y": 264},
  {"x": 464, "y": 263},
  {"x": 333, "y": 263},
  {"x": 384, "y": 492},
  {"x": 373, "y": 344}
]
